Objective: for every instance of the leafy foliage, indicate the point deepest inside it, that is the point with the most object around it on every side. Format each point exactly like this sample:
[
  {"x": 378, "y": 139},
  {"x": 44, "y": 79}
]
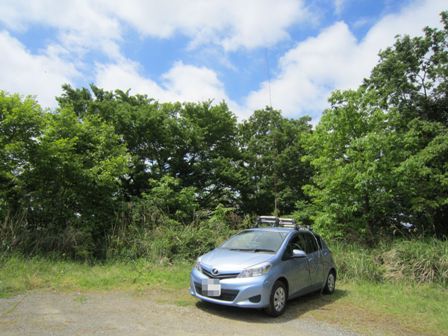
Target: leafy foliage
[
  {"x": 193, "y": 142},
  {"x": 380, "y": 152},
  {"x": 63, "y": 179},
  {"x": 114, "y": 174},
  {"x": 271, "y": 149}
]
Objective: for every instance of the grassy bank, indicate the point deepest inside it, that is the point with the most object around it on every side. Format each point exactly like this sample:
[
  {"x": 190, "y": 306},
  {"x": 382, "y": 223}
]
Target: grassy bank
[
  {"x": 403, "y": 261},
  {"x": 361, "y": 305},
  {"x": 389, "y": 308},
  {"x": 18, "y": 275},
  {"x": 396, "y": 288}
]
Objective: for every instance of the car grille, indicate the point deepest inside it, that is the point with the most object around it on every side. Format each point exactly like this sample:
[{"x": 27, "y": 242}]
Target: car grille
[
  {"x": 219, "y": 276},
  {"x": 226, "y": 294}
]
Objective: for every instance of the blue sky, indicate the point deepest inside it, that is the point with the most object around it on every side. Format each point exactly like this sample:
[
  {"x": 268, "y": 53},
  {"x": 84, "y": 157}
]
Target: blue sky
[{"x": 232, "y": 50}]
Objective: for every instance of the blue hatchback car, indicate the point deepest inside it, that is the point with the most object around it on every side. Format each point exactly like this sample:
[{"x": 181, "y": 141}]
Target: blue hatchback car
[{"x": 264, "y": 267}]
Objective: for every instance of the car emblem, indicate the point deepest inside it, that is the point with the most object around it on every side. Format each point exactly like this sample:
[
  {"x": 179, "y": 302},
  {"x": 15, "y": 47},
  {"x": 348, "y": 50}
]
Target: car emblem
[{"x": 215, "y": 271}]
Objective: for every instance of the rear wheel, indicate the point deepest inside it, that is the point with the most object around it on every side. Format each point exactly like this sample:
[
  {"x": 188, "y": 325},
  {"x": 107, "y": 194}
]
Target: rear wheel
[
  {"x": 330, "y": 285},
  {"x": 277, "y": 300}
]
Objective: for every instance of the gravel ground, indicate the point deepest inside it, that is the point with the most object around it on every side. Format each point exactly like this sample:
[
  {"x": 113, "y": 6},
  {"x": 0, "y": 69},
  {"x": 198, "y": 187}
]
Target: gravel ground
[{"x": 124, "y": 313}]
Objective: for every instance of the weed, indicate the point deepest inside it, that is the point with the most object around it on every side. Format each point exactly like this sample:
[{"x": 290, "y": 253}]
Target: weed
[
  {"x": 81, "y": 299},
  {"x": 410, "y": 261}
]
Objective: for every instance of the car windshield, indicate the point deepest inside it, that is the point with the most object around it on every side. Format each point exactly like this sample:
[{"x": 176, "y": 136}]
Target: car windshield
[{"x": 256, "y": 241}]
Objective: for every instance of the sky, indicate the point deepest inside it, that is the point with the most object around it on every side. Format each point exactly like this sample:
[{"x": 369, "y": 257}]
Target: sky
[{"x": 290, "y": 54}]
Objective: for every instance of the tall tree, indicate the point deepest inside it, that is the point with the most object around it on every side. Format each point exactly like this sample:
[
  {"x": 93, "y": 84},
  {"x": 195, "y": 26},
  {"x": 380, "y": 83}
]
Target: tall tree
[
  {"x": 21, "y": 124},
  {"x": 206, "y": 152},
  {"x": 272, "y": 147},
  {"x": 192, "y": 142},
  {"x": 380, "y": 152},
  {"x": 62, "y": 175}
]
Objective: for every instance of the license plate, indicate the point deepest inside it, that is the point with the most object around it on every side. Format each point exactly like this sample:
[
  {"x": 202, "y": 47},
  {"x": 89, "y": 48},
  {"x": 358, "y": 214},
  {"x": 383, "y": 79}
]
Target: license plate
[{"x": 211, "y": 287}]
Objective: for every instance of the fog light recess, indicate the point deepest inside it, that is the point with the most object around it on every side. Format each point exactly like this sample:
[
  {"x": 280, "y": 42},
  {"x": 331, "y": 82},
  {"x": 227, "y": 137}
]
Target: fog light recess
[{"x": 255, "y": 299}]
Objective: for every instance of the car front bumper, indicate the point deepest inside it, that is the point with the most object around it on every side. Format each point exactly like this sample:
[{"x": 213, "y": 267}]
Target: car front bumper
[{"x": 238, "y": 292}]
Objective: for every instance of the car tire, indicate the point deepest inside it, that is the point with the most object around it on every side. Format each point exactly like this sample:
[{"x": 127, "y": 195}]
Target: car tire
[
  {"x": 330, "y": 283},
  {"x": 277, "y": 299}
]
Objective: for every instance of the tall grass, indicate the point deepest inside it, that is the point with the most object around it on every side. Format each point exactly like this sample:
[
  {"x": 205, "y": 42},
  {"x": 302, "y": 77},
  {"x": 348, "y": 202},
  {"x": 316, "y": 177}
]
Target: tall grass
[
  {"x": 161, "y": 238},
  {"x": 389, "y": 285},
  {"x": 411, "y": 261},
  {"x": 18, "y": 274},
  {"x": 356, "y": 262}
]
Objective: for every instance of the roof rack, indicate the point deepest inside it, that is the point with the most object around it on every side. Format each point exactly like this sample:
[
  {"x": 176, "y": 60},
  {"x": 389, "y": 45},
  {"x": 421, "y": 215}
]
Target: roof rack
[{"x": 277, "y": 221}]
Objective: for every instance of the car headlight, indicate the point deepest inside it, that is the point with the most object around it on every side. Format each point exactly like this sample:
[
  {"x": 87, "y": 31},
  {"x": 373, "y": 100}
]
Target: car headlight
[
  {"x": 255, "y": 270},
  {"x": 198, "y": 265}
]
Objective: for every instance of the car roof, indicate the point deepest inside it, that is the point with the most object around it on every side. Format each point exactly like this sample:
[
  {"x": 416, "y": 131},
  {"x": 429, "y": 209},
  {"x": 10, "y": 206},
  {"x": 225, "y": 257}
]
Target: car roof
[{"x": 278, "y": 229}]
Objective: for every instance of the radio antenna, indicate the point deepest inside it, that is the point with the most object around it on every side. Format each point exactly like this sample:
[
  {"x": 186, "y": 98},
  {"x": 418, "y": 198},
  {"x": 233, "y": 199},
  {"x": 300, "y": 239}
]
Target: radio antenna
[
  {"x": 275, "y": 175},
  {"x": 268, "y": 73}
]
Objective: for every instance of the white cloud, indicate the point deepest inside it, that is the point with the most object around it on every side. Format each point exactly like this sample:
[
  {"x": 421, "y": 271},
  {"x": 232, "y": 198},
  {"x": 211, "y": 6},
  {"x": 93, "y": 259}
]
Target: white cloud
[
  {"x": 125, "y": 76},
  {"x": 38, "y": 74},
  {"x": 231, "y": 24},
  {"x": 187, "y": 82},
  {"x": 81, "y": 25},
  {"x": 181, "y": 83},
  {"x": 306, "y": 74},
  {"x": 84, "y": 26},
  {"x": 336, "y": 60}
]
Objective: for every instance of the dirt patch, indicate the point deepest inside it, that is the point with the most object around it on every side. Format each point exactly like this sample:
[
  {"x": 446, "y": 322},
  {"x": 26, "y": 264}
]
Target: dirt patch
[{"x": 144, "y": 313}]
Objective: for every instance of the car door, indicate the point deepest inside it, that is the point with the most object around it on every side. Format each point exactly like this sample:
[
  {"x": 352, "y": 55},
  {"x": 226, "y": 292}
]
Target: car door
[
  {"x": 296, "y": 269},
  {"x": 325, "y": 256},
  {"x": 313, "y": 257}
]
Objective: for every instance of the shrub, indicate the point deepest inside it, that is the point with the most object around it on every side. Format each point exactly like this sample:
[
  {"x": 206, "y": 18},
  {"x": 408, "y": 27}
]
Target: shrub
[
  {"x": 401, "y": 260},
  {"x": 420, "y": 261},
  {"x": 160, "y": 238},
  {"x": 356, "y": 262}
]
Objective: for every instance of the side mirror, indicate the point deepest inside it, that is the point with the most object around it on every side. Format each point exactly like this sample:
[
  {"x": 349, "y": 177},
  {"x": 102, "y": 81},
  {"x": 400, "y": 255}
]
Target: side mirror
[{"x": 298, "y": 254}]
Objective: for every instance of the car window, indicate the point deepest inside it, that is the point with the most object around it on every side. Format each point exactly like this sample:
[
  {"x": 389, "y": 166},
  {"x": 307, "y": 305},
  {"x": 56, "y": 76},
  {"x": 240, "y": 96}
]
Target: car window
[
  {"x": 309, "y": 242},
  {"x": 294, "y": 244},
  {"x": 321, "y": 243},
  {"x": 263, "y": 241}
]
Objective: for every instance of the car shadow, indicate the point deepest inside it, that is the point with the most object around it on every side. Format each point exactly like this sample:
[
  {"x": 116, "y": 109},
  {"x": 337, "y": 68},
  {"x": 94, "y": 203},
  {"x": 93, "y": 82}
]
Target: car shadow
[{"x": 294, "y": 309}]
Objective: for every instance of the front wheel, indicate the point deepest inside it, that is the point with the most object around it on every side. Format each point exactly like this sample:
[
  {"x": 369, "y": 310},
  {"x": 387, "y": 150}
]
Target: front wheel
[
  {"x": 277, "y": 300},
  {"x": 330, "y": 285}
]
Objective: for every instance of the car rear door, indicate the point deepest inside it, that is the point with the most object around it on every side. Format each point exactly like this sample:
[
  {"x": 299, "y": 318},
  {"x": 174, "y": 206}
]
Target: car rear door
[{"x": 313, "y": 257}]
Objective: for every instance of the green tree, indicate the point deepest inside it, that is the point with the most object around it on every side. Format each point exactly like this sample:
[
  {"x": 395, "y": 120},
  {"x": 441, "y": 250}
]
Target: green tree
[
  {"x": 146, "y": 127},
  {"x": 168, "y": 195},
  {"x": 272, "y": 148},
  {"x": 193, "y": 142},
  {"x": 21, "y": 123},
  {"x": 74, "y": 188},
  {"x": 62, "y": 175},
  {"x": 353, "y": 155},
  {"x": 206, "y": 153},
  {"x": 380, "y": 152}
]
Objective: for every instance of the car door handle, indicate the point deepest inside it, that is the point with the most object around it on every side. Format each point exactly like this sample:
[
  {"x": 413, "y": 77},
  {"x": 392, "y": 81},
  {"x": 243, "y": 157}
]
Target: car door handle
[{"x": 310, "y": 259}]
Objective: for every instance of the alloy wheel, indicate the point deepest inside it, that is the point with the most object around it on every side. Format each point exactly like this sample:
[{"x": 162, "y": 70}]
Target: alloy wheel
[
  {"x": 331, "y": 282},
  {"x": 279, "y": 298}
]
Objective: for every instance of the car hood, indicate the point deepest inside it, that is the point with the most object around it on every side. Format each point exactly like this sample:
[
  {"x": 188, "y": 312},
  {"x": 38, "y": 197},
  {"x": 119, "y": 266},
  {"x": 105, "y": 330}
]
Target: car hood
[{"x": 233, "y": 261}]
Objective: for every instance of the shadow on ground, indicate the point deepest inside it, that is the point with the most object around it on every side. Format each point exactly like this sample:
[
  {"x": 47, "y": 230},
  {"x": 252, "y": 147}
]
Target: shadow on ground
[{"x": 295, "y": 308}]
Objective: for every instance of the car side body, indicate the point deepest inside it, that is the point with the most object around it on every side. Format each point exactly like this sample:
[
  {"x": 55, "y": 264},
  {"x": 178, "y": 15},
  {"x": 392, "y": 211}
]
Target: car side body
[{"x": 250, "y": 278}]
